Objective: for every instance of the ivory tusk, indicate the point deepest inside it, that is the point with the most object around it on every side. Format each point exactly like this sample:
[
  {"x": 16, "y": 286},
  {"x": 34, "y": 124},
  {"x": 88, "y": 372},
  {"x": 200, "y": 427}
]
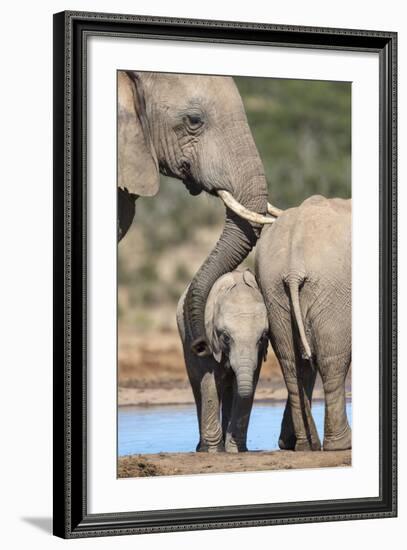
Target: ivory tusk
[
  {"x": 273, "y": 210},
  {"x": 242, "y": 211}
]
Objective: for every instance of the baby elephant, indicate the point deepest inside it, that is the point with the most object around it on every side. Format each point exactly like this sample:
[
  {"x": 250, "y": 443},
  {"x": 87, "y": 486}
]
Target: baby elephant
[
  {"x": 237, "y": 330},
  {"x": 303, "y": 265}
]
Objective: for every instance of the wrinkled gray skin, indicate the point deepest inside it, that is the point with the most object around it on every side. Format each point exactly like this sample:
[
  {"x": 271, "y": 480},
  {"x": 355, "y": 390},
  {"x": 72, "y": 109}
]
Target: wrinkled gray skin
[
  {"x": 303, "y": 266},
  {"x": 193, "y": 128},
  {"x": 237, "y": 329}
]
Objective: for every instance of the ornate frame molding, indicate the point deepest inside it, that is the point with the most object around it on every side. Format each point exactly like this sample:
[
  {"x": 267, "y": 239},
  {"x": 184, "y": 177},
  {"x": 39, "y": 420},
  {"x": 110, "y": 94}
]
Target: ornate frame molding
[{"x": 71, "y": 30}]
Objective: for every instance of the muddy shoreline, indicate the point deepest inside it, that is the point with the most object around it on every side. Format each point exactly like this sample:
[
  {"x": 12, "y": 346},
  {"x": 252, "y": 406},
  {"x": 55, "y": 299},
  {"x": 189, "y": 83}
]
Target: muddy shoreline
[
  {"x": 183, "y": 396},
  {"x": 179, "y": 395},
  {"x": 170, "y": 464}
]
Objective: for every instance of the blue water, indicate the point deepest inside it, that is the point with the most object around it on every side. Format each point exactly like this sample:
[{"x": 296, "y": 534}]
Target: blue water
[{"x": 174, "y": 428}]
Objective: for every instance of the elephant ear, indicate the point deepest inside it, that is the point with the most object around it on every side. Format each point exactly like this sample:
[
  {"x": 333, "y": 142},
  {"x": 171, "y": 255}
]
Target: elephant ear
[
  {"x": 222, "y": 286},
  {"x": 250, "y": 279},
  {"x": 137, "y": 162},
  {"x": 216, "y": 350}
]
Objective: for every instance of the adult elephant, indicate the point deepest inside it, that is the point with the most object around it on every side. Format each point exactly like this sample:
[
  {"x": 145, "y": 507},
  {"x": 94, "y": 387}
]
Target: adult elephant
[
  {"x": 194, "y": 128},
  {"x": 303, "y": 266}
]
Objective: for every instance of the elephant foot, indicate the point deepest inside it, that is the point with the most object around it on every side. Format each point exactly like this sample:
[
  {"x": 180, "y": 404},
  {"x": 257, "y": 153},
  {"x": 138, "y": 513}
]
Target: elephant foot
[
  {"x": 340, "y": 442},
  {"x": 306, "y": 445},
  {"x": 233, "y": 447},
  {"x": 204, "y": 447},
  {"x": 287, "y": 443}
]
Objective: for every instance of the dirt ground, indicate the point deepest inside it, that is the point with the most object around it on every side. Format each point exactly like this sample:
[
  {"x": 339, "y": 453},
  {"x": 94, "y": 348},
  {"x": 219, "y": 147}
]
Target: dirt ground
[
  {"x": 151, "y": 371},
  {"x": 169, "y": 464}
]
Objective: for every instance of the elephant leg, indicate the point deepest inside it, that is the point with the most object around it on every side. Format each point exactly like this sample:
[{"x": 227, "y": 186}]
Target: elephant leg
[
  {"x": 298, "y": 430},
  {"x": 299, "y": 381},
  {"x": 227, "y": 404},
  {"x": 210, "y": 429},
  {"x": 337, "y": 432},
  {"x": 236, "y": 433},
  {"x": 287, "y": 439},
  {"x": 206, "y": 383}
]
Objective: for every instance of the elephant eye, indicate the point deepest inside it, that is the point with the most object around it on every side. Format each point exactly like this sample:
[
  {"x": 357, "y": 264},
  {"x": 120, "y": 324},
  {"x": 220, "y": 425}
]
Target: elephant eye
[
  {"x": 193, "y": 121},
  {"x": 226, "y": 339}
]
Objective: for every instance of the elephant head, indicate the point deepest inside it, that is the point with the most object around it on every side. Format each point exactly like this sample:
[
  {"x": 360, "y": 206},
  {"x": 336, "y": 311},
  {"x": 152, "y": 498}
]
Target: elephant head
[
  {"x": 194, "y": 128},
  {"x": 237, "y": 327}
]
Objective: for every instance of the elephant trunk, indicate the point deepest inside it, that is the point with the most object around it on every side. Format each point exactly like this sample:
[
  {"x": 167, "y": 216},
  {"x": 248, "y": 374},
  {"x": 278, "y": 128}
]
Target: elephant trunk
[
  {"x": 244, "y": 380},
  {"x": 236, "y": 241}
]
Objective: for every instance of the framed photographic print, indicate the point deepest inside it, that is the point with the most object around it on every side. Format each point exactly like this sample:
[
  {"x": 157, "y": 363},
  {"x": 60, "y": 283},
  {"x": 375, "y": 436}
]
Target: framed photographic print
[{"x": 224, "y": 274}]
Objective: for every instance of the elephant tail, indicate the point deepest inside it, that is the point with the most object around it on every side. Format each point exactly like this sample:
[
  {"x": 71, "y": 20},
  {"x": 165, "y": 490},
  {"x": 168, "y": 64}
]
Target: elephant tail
[{"x": 294, "y": 288}]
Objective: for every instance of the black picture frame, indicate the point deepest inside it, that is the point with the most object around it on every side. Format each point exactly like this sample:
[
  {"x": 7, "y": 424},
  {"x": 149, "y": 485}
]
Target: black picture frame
[{"x": 71, "y": 518}]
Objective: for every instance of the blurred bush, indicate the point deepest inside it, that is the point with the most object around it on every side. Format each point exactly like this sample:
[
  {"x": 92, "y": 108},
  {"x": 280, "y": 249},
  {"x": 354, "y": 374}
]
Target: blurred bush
[{"x": 302, "y": 130}]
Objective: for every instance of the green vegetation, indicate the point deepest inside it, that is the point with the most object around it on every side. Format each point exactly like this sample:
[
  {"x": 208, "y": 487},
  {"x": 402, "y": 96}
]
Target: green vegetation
[{"x": 302, "y": 130}]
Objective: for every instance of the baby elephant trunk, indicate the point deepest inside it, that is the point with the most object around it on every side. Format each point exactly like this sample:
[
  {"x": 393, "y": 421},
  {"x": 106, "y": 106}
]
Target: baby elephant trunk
[{"x": 244, "y": 380}]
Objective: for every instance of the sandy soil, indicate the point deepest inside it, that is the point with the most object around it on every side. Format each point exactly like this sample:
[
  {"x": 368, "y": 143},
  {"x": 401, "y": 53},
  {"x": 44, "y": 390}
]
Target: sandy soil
[
  {"x": 152, "y": 371},
  {"x": 145, "y": 465}
]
